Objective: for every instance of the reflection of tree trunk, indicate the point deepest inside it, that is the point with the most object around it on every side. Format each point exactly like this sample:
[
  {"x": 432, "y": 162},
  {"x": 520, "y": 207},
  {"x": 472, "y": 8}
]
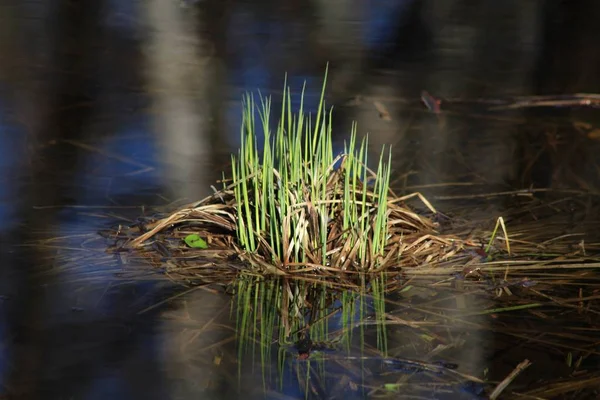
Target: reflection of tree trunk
[
  {"x": 570, "y": 61},
  {"x": 340, "y": 40},
  {"x": 41, "y": 106},
  {"x": 494, "y": 42},
  {"x": 183, "y": 78}
]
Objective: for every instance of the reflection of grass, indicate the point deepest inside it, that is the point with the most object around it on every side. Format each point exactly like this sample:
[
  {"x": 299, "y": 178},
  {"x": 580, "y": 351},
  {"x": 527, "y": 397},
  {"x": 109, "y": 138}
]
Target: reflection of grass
[{"x": 278, "y": 313}]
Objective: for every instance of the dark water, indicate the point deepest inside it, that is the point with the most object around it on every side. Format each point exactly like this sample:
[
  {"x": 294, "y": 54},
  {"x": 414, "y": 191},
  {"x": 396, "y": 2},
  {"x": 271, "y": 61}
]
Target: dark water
[{"x": 109, "y": 105}]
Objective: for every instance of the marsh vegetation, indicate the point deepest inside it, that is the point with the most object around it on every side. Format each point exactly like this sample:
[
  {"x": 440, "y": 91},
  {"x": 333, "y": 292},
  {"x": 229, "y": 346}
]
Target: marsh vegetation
[{"x": 321, "y": 254}]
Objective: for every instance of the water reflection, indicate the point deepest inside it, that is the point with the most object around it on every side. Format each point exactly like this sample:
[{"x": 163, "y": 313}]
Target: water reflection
[{"x": 126, "y": 103}]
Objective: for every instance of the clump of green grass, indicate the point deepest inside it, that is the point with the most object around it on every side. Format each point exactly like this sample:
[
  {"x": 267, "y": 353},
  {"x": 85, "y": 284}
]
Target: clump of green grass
[
  {"x": 300, "y": 208},
  {"x": 294, "y": 208}
]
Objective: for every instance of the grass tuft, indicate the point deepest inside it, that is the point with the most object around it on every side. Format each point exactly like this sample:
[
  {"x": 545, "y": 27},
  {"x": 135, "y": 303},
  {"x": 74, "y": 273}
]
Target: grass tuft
[{"x": 296, "y": 208}]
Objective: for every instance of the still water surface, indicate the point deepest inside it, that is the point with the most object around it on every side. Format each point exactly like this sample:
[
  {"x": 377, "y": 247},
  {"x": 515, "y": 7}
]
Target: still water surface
[{"x": 109, "y": 105}]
